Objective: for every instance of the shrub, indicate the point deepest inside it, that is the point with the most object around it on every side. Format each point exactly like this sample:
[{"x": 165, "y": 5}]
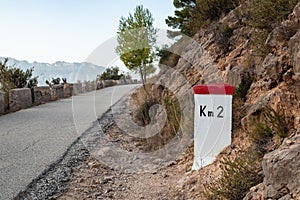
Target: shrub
[
  {"x": 111, "y": 73},
  {"x": 173, "y": 111},
  {"x": 263, "y": 14},
  {"x": 12, "y": 77},
  {"x": 277, "y": 121},
  {"x": 244, "y": 86},
  {"x": 237, "y": 177}
]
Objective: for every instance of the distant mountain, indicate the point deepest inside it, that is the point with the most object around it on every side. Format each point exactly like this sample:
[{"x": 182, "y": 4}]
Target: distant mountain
[{"x": 72, "y": 71}]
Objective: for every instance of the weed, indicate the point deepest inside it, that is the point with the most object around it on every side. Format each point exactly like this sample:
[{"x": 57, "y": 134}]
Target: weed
[
  {"x": 244, "y": 86},
  {"x": 237, "y": 177}
]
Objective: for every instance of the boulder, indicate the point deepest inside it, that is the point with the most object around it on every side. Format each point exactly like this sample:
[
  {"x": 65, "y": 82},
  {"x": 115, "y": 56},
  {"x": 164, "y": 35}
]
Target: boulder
[
  {"x": 57, "y": 92},
  {"x": 41, "y": 95},
  {"x": 19, "y": 99},
  {"x": 282, "y": 173},
  {"x": 68, "y": 90}
]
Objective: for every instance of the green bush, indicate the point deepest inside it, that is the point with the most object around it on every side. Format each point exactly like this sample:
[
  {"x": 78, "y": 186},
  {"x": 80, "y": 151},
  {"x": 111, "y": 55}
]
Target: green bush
[
  {"x": 263, "y": 14},
  {"x": 277, "y": 121},
  {"x": 12, "y": 77},
  {"x": 173, "y": 111},
  {"x": 237, "y": 177},
  {"x": 244, "y": 86},
  {"x": 111, "y": 73}
]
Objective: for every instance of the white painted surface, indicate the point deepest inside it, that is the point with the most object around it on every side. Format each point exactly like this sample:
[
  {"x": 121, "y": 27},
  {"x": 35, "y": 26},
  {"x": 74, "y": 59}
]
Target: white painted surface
[{"x": 212, "y": 131}]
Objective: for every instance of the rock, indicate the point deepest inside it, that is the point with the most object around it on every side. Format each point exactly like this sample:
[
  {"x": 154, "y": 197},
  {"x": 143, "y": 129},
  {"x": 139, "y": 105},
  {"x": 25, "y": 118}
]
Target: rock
[
  {"x": 281, "y": 169},
  {"x": 19, "y": 99},
  {"x": 57, "y": 92},
  {"x": 294, "y": 46},
  {"x": 233, "y": 76},
  {"x": 41, "y": 95}
]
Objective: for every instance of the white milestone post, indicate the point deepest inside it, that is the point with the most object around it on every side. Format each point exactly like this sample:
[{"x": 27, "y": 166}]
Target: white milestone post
[{"x": 212, "y": 122}]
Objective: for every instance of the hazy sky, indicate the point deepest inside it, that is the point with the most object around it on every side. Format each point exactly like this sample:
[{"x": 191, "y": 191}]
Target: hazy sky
[{"x": 65, "y": 30}]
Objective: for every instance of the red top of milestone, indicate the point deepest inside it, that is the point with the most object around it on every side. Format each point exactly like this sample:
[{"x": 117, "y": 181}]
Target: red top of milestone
[{"x": 214, "y": 89}]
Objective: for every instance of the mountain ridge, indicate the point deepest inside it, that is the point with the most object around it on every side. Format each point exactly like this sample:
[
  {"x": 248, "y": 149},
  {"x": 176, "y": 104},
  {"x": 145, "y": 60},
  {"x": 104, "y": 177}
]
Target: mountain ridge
[{"x": 74, "y": 72}]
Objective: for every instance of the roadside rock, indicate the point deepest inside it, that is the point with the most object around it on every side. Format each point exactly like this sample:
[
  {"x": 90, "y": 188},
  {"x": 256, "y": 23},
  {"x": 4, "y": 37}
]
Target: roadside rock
[{"x": 282, "y": 177}]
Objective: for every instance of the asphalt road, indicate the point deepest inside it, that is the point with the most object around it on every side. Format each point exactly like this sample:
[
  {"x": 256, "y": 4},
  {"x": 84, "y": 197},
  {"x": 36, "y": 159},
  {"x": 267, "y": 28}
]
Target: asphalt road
[{"x": 32, "y": 139}]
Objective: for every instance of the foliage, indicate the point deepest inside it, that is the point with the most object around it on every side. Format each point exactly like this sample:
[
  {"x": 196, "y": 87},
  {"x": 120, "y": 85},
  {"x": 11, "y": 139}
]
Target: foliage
[
  {"x": 111, "y": 73},
  {"x": 261, "y": 136},
  {"x": 169, "y": 55},
  {"x": 181, "y": 20},
  {"x": 194, "y": 14},
  {"x": 276, "y": 120},
  {"x": 12, "y": 77},
  {"x": 244, "y": 86},
  {"x": 173, "y": 111},
  {"x": 136, "y": 37},
  {"x": 263, "y": 14},
  {"x": 54, "y": 81},
  {"x": 237, "y": 177}
]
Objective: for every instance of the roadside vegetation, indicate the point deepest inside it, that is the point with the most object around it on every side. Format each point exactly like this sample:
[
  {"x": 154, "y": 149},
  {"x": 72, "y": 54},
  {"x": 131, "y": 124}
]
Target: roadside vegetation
[
  {"x": 238, "y": 175},
  {"x": 112, "y": 73},
  {"x": 12, "y": 77},
  {"x": 192, "y": 15}
]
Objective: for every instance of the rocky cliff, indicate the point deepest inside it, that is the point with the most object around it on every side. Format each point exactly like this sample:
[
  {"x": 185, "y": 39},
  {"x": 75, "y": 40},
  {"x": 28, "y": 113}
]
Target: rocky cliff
[{"x": 271, "y": 69}]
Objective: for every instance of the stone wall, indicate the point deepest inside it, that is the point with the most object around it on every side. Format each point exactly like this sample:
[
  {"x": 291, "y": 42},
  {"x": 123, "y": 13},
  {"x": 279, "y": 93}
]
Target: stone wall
[
  {"x": 41, "y": 95},
  {"x": 57, "y": 92},
  {"x": 68, "y": 90},
  {"x": 24, "y": 97},
  {"x": 19, "y": 99},
  {"x": 77, "y": 88},
  {"x": 2, "y": 107}
]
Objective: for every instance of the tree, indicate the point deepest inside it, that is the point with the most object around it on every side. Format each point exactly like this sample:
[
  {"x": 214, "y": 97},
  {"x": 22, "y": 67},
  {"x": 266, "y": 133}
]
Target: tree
[
  {"x": 191, "y": 15},
  {"x": 111, "y": 73},
  {"x": 12, "y": 77},
  {"x": 136, "y": 38},
  {"x": 181, "y": 20}
]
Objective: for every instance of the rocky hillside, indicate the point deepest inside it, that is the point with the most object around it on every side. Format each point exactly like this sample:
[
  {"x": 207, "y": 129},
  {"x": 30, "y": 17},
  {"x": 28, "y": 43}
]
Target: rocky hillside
[
  {"x": 263, "y": 161},
  {"x": 266, "y": 74}
]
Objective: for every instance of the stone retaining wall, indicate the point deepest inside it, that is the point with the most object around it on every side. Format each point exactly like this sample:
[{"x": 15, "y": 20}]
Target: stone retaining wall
[
  {"x": 77, "y": 88},
  {"x": 57, "y": 92},
  {"x": 24, "y": 97},
  {"x": 2, "y": 106},
  {"x": 42, "y": 95},
  {"x": 68, "y": 90},
  {"x": 19, "y": 99}
]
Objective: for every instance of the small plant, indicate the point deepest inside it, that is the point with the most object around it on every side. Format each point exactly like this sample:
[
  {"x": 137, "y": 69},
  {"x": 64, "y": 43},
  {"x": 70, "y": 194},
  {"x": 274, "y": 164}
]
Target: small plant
[
  {"x": 277, "y": 121},
  {"x": 244, "y": 86},
  {"x": 12, "y": 77},
  {"x": 237, "y": 177},
  {"x": 56, "y": 81},
  {"x": 173, "y": 111},
  {"x": 142, "y": 114},
  {"x": 261, "y": 136}
]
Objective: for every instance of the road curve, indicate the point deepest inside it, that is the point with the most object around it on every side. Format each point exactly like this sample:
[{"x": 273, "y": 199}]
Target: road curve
[{"x": 32, "y": 139}]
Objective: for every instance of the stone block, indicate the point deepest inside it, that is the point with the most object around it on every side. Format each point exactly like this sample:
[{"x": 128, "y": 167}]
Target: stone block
[
  {"x": 19, "y": 99},
  {"x": 2, "y": 105},
  {"x": 57, "y": 92},
  {"x": 77, "y": 88},
  {"x": 84, "y": 87},
  {"x": 42, "y": 95},
  {"x": 99, "y": 85},
  {"x": 68, "y": 90}
]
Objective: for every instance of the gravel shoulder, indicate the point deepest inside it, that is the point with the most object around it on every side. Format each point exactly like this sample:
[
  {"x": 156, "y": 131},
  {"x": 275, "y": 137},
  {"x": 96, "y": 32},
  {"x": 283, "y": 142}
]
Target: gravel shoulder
[{"x": 81, "y": 174}]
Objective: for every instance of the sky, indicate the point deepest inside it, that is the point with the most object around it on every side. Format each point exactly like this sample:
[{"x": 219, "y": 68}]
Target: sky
[{"x": 66, "y": 30}]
